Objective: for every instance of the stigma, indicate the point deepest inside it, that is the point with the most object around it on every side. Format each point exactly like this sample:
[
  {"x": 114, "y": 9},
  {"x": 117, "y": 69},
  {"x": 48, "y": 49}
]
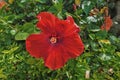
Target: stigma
[{"x": 53, "y": 40}]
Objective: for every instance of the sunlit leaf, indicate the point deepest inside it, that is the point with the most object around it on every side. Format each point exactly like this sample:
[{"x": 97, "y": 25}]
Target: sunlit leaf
[{"x": 21, "y": 36}]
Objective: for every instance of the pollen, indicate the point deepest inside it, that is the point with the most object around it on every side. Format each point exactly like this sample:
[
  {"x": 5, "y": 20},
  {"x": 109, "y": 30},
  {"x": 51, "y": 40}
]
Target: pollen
[{"x": 53, "y": 40}]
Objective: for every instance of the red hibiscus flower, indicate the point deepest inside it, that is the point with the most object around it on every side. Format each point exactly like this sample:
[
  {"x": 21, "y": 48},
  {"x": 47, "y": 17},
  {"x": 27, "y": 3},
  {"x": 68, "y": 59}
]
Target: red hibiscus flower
[
  {"x": 58, "y": 41},
  {"x": 107, "y": 24}
]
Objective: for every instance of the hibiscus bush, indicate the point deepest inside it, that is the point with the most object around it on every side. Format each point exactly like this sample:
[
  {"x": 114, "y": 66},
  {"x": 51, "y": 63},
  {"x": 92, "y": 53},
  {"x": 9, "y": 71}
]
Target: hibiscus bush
[{"x": 18, "y": 20}]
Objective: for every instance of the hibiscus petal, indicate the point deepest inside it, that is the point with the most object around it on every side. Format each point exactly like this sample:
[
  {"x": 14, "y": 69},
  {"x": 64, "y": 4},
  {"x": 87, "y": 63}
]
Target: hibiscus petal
[
  {"x": 55, "y": 58},
  {"x": 73, "y": 45},
  {"x": 37, "y": 45},
  {"x": 46, "y": 21},
  {"x": 71, "y": 21},
  {"x": 64, "y": 28},
  {"x": 69, "y": 18}
]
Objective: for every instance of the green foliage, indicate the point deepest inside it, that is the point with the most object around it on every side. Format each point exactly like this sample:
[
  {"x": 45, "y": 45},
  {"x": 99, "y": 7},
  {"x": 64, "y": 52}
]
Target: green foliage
[{"x": 101, "y": 54}]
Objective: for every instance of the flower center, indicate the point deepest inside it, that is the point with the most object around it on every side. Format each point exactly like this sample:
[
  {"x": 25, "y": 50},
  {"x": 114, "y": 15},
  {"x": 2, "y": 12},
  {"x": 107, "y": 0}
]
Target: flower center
[{"x": 53, "y": 40}]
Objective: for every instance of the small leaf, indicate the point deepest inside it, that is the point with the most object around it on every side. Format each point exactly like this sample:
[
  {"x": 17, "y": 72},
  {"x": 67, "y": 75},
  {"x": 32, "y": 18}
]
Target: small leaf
[
  {"x": 2, "y": 76},
  {"x": 118, "y": 53},
  {"x": 21, "y": 36},
  {"x": 10, "y": 51},
  {"x": 13, "y": 32},
  {"x": 93, "y": 28},
  {"x": 31, "y": 61},
  {"x": 92, "y": 36},
  {"x": 87, "y": 6},
  {"x": 101, "y": 34},
  {"x": 28, "y": 27}
]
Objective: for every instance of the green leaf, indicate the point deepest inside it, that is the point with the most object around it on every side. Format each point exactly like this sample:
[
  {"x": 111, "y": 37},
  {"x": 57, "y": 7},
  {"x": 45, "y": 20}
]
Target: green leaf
[
  {"x": 31, "y": 61},
  {"x": 13, "y": 32},
  {"x": 2, "y": 76},
  {"x": 28, "y": 27},
  {"x": 88, "y": 5},
  {"x": 118, "y": 53},
  {"x": 93, "y": 28},
  {"x": 56, "y": 8},
  {"x": 11, "y": 50},
  {"x": 94, "y": 45},
  {"x": 21, "y": 36},
  {"x": 92, "y": 36},
  {"x": 42, "y": 1},
  {"x": 101, "y": 34}
]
